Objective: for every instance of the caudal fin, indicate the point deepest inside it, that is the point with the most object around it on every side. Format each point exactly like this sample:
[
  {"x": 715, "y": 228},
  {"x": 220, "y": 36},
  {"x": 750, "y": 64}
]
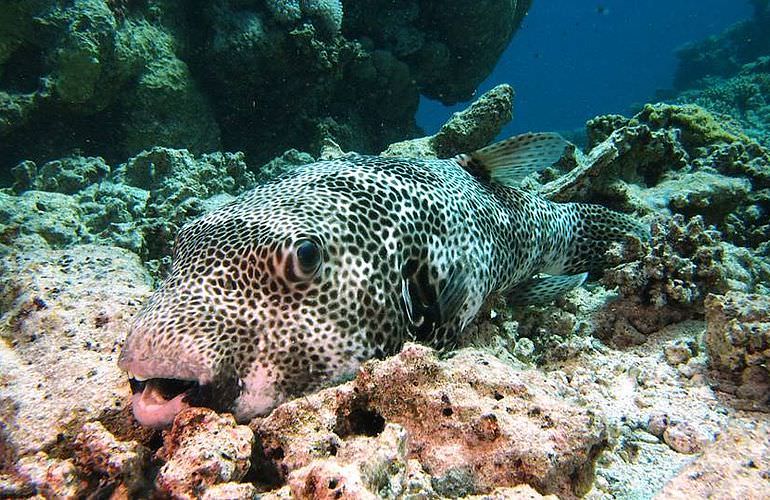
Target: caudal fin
[{"x": 595, "y": 229}]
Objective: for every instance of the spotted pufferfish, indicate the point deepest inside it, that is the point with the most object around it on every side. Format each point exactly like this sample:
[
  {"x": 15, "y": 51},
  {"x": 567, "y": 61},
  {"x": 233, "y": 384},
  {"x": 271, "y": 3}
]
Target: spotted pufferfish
[{"x": 299, "y": 281}]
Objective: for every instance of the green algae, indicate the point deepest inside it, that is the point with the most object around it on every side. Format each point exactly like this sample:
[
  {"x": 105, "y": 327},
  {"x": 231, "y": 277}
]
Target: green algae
[{"x": 699, "y": 127}]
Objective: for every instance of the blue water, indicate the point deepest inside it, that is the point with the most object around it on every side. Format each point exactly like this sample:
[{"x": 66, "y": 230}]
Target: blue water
[{"x": 575, "y": 59}]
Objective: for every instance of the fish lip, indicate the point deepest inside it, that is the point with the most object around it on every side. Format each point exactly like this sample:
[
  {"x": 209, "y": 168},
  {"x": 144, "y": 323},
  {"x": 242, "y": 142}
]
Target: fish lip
[
  {"x": 160, "y": 392},
  {"x": 155, "y": 402},
  {"x": 159, "y": 395}
]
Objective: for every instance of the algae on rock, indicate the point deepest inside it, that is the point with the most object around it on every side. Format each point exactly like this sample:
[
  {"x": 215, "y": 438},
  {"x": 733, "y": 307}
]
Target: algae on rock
[
  {"x": 81, "y": 77},
  {"x": 139, "y": 205},
  {"x": 104, "y": 78}
]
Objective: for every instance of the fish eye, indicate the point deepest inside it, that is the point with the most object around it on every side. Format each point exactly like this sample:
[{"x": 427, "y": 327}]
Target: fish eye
[{"x": 308, "y": 257}]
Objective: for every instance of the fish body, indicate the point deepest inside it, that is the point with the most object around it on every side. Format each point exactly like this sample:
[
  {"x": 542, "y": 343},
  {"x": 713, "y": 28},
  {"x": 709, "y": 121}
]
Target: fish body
[{"x": 299, "y": 281}]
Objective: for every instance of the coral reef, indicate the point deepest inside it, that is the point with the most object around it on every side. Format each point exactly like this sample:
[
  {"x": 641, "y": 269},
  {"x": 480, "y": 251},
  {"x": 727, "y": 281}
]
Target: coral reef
[
  {"x": 75, "y": 76},
  {"x": 138, "y": 205},
  {"x": 743, "y": 96},
  {"x": 112, "y": 78},
  {"x": 654, "y": 374},
  {"x": 730, "y": 74},
  {"x": 724, "y": 55},
  {"x": 665, "y": 282},
  {"x": 674, "y": 160},
  {"x": 447, "y": 58}
]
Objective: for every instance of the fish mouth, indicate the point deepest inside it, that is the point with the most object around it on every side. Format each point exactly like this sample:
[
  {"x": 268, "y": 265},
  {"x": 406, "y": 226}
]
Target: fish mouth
[{"x": 156, "y": 401}]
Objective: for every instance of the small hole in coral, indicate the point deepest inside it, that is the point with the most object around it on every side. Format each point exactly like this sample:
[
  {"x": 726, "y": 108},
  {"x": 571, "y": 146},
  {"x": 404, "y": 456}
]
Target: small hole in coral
[{"x": 366, "y": 422}]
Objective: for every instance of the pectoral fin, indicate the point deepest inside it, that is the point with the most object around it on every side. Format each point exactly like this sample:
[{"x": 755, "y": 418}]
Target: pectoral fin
[{"x": 431, "y": 306}]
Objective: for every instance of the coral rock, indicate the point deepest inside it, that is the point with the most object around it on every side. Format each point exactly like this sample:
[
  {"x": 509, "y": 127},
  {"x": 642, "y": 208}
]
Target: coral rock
[
  {"x": 64, "y": 313},
  {"x": 231, "y": 491},
  {"x": 202, "y": 449},
  {"x": 684, "y": 438},
  {"x": 738, "y": 342},
  {"x": 736, "y": 466},
  {"x": 50, "y": 477},
  {"x": 466, "y": 131},
  {"x": 99, "y": 451},
  {"x": 470, "y": 431}
]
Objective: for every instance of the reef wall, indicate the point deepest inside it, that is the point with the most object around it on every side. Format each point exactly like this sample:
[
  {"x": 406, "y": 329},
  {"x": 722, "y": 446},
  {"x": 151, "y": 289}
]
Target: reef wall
[{"x": 111, "y": 78}]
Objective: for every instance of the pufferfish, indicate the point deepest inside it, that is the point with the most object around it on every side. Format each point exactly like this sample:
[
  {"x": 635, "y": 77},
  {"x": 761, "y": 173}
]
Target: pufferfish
[{"x": 296, "y": 283}]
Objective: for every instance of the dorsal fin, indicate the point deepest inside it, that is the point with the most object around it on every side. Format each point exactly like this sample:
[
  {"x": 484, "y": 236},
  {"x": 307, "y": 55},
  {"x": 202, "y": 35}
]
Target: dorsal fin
[{"x": 509, "y": 161}]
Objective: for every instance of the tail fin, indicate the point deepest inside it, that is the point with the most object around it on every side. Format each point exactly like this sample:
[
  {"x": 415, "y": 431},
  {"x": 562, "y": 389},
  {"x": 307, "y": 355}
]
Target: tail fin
[{"x": 596, "y": 228}]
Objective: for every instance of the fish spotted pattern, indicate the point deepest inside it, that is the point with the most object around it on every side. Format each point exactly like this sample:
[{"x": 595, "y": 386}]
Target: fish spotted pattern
[{"x": 296, "y": 283}]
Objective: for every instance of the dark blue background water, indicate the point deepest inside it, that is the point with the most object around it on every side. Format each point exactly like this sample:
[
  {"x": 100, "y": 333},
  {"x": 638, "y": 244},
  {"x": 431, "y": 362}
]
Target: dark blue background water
[{"x": 575, "y": 59}]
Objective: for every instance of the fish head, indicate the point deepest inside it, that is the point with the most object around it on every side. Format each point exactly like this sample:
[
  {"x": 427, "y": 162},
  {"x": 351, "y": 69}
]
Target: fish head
[{"x": 277, "y": 293}]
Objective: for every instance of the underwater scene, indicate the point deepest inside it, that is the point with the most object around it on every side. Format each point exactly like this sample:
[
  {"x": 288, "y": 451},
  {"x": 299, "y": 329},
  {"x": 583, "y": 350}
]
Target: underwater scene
[{"x": 400, "y": 249}]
